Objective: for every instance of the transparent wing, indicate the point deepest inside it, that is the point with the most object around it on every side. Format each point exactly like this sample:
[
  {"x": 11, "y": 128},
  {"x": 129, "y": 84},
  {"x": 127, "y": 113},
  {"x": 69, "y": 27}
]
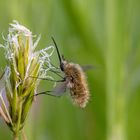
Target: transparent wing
[
  {"x": 60, "y": 89},
  {"x": 88, "y": 67}
]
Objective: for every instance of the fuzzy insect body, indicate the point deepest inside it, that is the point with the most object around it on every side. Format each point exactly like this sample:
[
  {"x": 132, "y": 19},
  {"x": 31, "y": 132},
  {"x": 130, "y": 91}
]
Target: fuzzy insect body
[
  {"x": 77, "y": 83},
  {"x": 74, "y": 79}
]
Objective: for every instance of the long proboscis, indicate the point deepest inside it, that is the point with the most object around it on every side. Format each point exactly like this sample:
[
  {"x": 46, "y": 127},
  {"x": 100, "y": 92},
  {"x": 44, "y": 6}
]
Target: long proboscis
[{"x": 58, "y": 53}]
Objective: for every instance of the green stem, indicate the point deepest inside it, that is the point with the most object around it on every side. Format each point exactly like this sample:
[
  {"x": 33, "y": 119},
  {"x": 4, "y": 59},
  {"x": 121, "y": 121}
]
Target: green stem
[
  {"x": 115, "y": 60},
  {"x": 24, "y": 135},
  {"x": 19, "y": 118},
  {"x": 19, "y": 115},
  {"x": 15, "y": 137}
]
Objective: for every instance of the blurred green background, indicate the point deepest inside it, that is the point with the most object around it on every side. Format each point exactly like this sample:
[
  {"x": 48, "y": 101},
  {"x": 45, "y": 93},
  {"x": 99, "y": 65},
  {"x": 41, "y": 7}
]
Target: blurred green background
[{"x": 103, "y": 33}]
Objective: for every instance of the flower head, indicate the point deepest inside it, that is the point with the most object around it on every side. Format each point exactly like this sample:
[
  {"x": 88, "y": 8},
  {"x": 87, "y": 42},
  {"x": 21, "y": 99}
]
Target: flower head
[{"x": 22, "y": 63}]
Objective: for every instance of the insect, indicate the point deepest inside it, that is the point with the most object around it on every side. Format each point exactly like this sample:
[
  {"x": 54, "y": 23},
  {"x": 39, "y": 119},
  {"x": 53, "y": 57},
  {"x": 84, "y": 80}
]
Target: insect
[{"x": 74, "y": 80}]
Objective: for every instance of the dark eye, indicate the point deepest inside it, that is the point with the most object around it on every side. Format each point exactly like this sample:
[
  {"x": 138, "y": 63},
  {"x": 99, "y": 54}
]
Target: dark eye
[{"x": 62, "y": 66}]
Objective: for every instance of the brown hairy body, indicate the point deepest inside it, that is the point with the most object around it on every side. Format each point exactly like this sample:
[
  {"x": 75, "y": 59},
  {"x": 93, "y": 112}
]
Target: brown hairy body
[
  {"x": 74, "y": 79},
  {"x": 77, "y": 83}
]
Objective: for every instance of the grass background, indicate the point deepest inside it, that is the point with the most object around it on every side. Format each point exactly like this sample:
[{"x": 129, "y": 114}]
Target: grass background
[{"x": 104, "y": 33}]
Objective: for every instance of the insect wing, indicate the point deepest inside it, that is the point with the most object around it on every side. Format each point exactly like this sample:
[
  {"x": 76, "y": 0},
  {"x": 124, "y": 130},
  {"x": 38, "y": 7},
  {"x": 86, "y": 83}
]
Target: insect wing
[
  {"x": 88, "y": 67},
  {"x": 60, "y": 89}
]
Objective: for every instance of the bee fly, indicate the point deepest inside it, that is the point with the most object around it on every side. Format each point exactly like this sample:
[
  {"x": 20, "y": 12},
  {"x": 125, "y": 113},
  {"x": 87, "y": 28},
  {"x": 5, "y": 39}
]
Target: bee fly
[{"x": 74, "y": 80}]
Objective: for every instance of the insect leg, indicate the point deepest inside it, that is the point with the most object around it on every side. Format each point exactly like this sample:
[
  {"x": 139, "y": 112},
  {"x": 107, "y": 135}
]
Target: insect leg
[
  {"x": 48, "y": 79},
  {"x": 57, "y": 69},
  {"x": 55, "y": 66},
  {"x": 58, "y": 91},
  {"x": 47, "y": 93},
  {"x": 57, "y": 73}
]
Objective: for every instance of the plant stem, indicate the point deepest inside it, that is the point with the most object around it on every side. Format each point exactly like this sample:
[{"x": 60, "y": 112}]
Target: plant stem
[
  {"x": 19, "y": 118},
  {"x": 24, "y": 135},
  {"x": 15, "y": 137},
  {"x": 115, "y": 60}
]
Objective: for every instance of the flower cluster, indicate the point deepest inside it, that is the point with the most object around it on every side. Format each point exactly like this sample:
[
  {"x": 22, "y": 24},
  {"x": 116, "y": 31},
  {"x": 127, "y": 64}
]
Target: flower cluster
[{"x": 23, "y": 63}]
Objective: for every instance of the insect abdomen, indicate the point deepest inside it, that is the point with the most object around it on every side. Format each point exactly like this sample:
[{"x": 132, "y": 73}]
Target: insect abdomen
[{"x": 77, "y": 84}]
